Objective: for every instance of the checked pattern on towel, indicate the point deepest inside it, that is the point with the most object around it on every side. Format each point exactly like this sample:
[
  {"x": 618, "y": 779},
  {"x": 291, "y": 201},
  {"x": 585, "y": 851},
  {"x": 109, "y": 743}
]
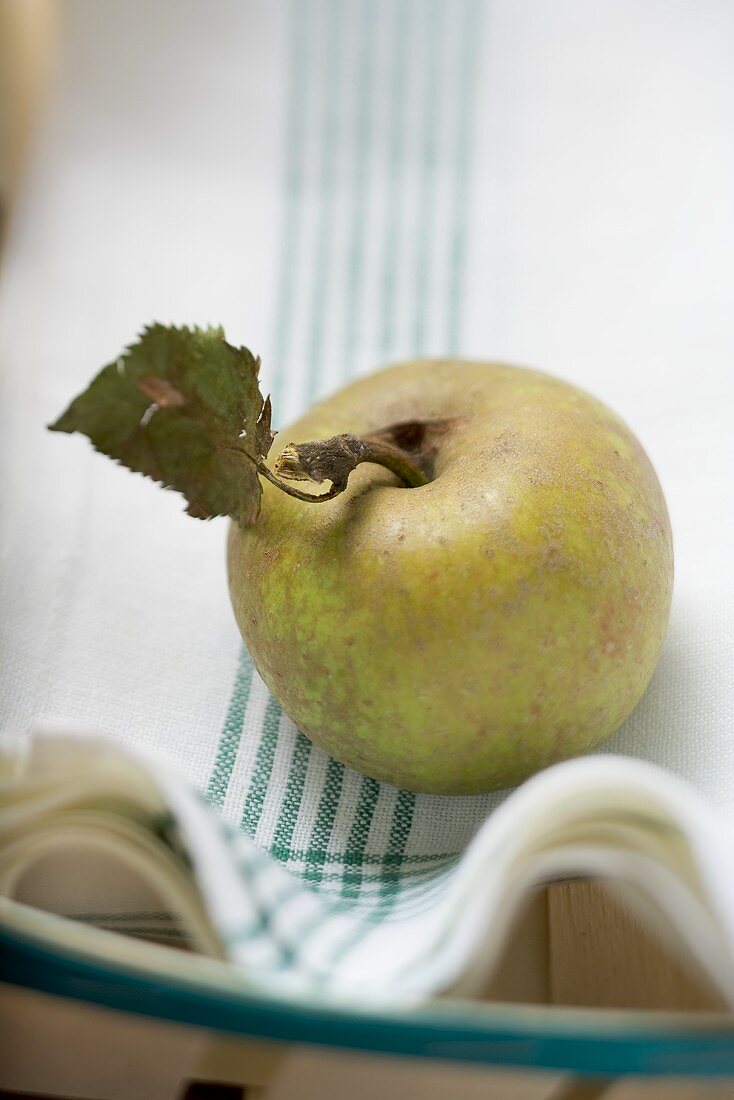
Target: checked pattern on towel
[{"x": 377, "y": 180}]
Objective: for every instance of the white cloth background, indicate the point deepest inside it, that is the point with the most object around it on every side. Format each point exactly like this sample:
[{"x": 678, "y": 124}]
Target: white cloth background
[{"x": 600, "y": 248}]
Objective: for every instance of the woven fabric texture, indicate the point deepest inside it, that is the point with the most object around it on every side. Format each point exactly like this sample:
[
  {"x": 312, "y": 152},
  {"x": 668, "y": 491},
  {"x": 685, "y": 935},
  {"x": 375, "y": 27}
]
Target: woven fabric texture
[{"x": 379, "y": 130}]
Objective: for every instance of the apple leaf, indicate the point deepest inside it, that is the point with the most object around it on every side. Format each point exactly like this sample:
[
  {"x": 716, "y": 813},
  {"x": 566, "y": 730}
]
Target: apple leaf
[{"x": 180, "y": 405}]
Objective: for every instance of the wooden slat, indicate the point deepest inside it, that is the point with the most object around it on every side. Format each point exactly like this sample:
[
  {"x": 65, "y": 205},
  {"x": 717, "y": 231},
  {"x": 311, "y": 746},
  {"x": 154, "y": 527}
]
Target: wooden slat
[
  {"x": 93, "y": 1053},
  {"x": 325, "y": 1075},
  {"x": 667, "y": 1088},
  {"x": 600, "y": 955},
  {"x": 523, "y": 976}
]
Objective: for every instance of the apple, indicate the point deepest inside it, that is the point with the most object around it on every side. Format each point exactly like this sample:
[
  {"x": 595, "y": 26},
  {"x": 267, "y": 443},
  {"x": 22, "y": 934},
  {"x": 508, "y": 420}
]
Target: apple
[
  {"x": 481, "y": 589},
  {"x": 457, "y": 636}
]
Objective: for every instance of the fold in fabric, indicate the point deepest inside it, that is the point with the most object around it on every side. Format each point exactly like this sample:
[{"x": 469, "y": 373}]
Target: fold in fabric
[{"x": 77, "y": 798}]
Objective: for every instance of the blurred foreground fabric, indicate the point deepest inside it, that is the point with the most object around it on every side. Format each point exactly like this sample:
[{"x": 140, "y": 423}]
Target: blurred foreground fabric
[{"x": 111, "y": 838}]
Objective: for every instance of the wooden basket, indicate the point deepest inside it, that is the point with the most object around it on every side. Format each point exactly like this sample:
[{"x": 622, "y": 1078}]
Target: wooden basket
[{"x": 586, "y": 1003}]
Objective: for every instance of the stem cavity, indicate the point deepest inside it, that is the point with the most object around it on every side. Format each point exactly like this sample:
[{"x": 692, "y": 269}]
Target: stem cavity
[{"x": 406, "y": 449}]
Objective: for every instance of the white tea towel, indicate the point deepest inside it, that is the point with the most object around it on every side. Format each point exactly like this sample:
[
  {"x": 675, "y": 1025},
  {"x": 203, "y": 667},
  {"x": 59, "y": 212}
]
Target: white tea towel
[
  {"x": 340, "y": 184},
  {"x": 612, "y": 818}
]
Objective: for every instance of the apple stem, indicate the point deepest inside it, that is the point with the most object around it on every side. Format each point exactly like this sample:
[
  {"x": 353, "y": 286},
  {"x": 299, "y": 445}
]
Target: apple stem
[
  {"x": 395, "y": 460},
  {"x": 309, "y": 497},
  {"x": 268, "y": 474},
  {"x": 333, "y": 460}
]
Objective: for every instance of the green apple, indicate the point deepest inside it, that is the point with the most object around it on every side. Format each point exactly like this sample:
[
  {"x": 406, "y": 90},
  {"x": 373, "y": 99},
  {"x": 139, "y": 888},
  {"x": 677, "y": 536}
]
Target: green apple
[
  {"x": 458, "y": 636},
  {"x": 483, "y": 586}
]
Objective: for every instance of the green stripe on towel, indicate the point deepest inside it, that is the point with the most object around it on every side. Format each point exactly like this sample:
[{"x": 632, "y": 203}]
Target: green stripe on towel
[{"x": 359, "y": 273}]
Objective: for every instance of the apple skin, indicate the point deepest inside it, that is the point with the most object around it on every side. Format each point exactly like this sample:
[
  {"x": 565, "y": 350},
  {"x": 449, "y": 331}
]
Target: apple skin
[{"x": 458, "y": 637}]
